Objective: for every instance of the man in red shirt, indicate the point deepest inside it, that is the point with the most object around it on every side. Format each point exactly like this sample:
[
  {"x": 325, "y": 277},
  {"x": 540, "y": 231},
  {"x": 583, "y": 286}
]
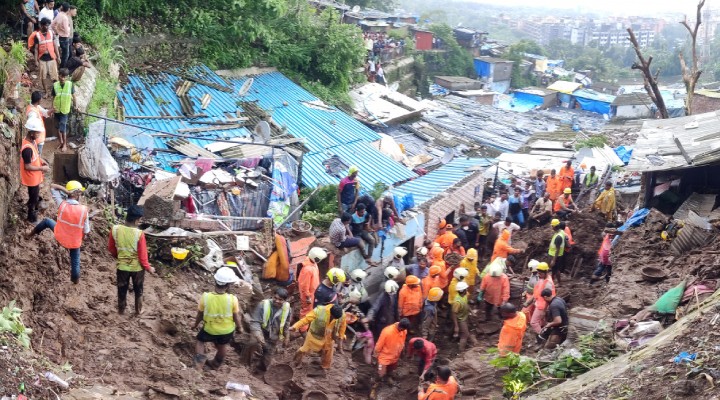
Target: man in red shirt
[{"x": 425, "y": 351}]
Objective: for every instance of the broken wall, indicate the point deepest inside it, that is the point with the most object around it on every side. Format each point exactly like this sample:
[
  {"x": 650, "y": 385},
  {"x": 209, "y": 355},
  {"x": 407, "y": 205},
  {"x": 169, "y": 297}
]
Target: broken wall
[
  {"x": 465, "y": 193},
  {"x": 10, "y": 174}
]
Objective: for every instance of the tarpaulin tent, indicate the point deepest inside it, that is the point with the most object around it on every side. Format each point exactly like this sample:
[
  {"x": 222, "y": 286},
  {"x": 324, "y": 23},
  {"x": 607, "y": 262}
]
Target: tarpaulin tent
[{"x": 593, "y": 101}]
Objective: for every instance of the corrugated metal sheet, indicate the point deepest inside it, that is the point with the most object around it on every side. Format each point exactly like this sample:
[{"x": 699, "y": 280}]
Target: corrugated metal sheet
[
  {"x": 324, "y": 129},
  {"x": 656, "y": 148},
  {"x": 435, "y": 182},
  {"x": 701, "y": 204},
  {"x": 374, "y": 166}
]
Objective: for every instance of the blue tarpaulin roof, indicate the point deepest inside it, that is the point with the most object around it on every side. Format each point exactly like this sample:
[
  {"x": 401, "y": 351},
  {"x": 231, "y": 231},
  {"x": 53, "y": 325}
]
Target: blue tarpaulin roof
[
  {"x": 324, "y": 129},
  {"x": 591, "y": 100},
  {"x": 435, "y": 182}
]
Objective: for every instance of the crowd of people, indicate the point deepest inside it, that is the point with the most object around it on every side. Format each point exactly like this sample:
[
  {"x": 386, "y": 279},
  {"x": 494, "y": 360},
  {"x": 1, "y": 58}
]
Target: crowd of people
[{"x": 380, "y": 49}]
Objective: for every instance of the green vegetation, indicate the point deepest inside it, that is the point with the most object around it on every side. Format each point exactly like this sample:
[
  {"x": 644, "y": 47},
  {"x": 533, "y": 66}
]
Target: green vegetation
[
  {"x": 516, "y": 53},
  {"x": 455, "y": 60},
  {"x": 322, "y": 208},
  {"x": 591, "y": 141},
  {"x": 11, "y": 322},
  {"x": 313, "y": 48},
  {"x": 525, "y": 373},
  {"x": 11, "y": 62},
  {"x": 382, "y": 5}
]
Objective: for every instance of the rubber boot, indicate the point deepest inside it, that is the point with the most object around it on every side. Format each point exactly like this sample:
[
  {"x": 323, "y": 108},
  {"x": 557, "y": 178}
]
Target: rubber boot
[{"x": 138, "y": 306}]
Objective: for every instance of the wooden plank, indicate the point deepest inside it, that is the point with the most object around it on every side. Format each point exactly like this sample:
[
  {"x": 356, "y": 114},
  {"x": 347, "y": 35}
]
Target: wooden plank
[
  {"x": 209, "y": 129},
  {"x": 201, "y": 82}
]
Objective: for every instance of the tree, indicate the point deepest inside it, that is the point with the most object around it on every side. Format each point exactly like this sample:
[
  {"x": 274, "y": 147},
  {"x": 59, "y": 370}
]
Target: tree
[
  {"x": 650, "y": 80},
  {"x": 691, "y": 74},
  {"x": 455, "y": 60}
]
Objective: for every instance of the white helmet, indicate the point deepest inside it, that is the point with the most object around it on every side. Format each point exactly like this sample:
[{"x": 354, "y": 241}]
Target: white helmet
[
  {"x": 400, "y": 252},
  {"x": 460, "y": 273},
  {"x": 355, "y": 296},
  {"x": 391, "y": 287},
  {"x": 317, "y": 254},
  {"x": 391, "y": 272},
  {"x": 34, "y": 124},
  {"x": 533, "y": 264},
  {"x": 225, "y": 275},
  {"x": 461, "y": 286},
  {"x": 422, "y": 250},
  {"x": 358, "y": 275}
]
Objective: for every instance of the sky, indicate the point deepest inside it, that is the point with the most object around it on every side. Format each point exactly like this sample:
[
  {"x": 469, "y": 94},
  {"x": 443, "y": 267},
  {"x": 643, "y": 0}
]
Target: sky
[{"x": 612, "y": 6}]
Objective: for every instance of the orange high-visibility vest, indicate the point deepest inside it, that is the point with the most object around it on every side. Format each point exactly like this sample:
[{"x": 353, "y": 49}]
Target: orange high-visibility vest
[
  {"x": 70, "y": 223},
  {"x": 30, "y": 178},
  {"x": 31, "y": 109},
  {"x": 557, "y": 207},
  {"x": 540, "y": 303},
  {"x": 511, "y": 335},
  {"x": 410, "y": 301},
  {"x": 46, "y": 44}
]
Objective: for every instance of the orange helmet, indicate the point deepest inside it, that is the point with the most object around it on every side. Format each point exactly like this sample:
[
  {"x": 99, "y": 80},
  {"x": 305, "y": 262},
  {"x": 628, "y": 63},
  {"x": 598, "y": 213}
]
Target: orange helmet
[
  {"x": 435, "y": 294},
  {"x": 442, "y": 223},
  {"x": 435, "y": 270},
  {"x": 505, "y": 234},
  {"x": 412, "y": 280},
  {"x": 437, "y": 253}
]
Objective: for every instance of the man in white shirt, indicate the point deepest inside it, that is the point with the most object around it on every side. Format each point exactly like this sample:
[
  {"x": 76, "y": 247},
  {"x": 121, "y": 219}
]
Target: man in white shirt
[
  {"x": 508, "y": 225},
  {"x": 501, "y": 205},
  {"x": 48, "y": 11}
]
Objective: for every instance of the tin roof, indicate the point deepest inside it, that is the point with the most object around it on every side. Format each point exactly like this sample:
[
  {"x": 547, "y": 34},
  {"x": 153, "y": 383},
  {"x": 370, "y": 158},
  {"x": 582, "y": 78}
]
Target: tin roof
[
  {"x": 437, "y": 181},
  {"x": 294, "y": 112},
  {"x": 632, "y": 99},
  {"x": 684, "y": 142}
]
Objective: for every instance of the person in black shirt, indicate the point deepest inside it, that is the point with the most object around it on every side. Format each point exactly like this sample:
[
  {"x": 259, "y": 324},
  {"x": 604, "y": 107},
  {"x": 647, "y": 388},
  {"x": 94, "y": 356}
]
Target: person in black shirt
[
  {"x": 557, "y": 327},
  {"x": 370, "y": 208},
  {"x": 77, "y": 63},
  {"x": 467, "y": 232}
]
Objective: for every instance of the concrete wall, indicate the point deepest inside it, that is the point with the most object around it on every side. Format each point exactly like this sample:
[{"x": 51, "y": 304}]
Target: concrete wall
[
  {"x": 466, "y": 193},
  {"x": 704, "y": 104},
  {"x": 499, "y": 86},
  {"x": 634, "y": 112},
  {"x": 501, "y": 71}
]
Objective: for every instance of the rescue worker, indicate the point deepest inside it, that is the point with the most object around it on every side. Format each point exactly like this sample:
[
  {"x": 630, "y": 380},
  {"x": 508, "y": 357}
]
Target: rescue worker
[
  {"x": 541, "y": 212},
  {"x": 328, "y": 290},
  {"x": 513, "y": 330},
  {"x": 32, "y": 166},
  {"x": 357, "y": 276},
  {"x": 470, "y": 263},
  {"x": 456, "y": 248},
  {"x": 529, "y": 287},
  {"x": 556, "y": 250},
  {"x": 430, "y": 311},
  {"x": 390, "y": 345},
  {"x": 35, "y": 110},
  {"x": 127, "y": 244},
  {"x": 591, "y": 179},
  {"x": 460, "y": 315},
  {"x": 604, "y": 266},
  {"x": 420, "y": 269},
  {"x": 438, "y": 255},
  {"x": 425, "y": 352},
  {"x": 72, "y": 224},
  {"x": 502, "y": 246},
  {"x": 410, "y": 301},
  {"x": 270, "y": 325},
  {"x": 606, "y": 202},
  {"x": 556, "y": 330},
  {"x": 567, "y": 175},
  {"x": 553, "y": 186},
  {"x": 537, "y": 321},
  {"x": 326, "y": 328},
  {"x": 348, "y": 191},
  {"x": 494, "y": 290},
  {"x": 219, "y": 311},
  {"x": 384, "y": 311},
  {"x": 564, "y": 205},
  {"x": 444, "y": 388},
  {"x": 398, "y": 261},
  {"x": 309, "y": 279},
  {"x": 433, "y": 280},
  {"x": 459, "y": 275},
  {"x": 445, "y": 236}
]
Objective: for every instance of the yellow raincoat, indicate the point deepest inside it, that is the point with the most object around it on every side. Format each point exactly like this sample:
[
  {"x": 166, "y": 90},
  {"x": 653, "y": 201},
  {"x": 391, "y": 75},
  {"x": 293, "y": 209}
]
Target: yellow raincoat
[
  {"x": 606, "y": 203},
  {"x": 471, "y": 266}
]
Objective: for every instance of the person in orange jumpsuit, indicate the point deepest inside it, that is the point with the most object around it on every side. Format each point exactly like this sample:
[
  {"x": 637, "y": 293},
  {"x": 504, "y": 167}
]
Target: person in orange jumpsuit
[
  {"x": 410, "y": 301},
  {"x": 309, "y": 280},
  {"x": 553, "y": 186},
  {"x": 439, "y": 260},
  {"x": 494, "y": 289},
  {"x": 456, "y": 247},
  {"x": 567, "y": 175},
  {"x": 432, "y": 280},
  {"x": 502, "y": 248},
  {"x": 390, "y": 345},
  {"x": 444, "y": 388},
  {"x": 513, "y": 330},
  {"x": 446, "y": 237}
]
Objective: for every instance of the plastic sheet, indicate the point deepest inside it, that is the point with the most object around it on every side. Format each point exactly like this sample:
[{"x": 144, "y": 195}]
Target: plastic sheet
[
  {"x": 637, "y": 219},
  {"x": 96, "y": 162},
  {"x": 624, "y": 153}
]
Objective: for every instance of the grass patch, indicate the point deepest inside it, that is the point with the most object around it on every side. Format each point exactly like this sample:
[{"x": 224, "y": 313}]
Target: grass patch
[{"x": 103, "y": 97}]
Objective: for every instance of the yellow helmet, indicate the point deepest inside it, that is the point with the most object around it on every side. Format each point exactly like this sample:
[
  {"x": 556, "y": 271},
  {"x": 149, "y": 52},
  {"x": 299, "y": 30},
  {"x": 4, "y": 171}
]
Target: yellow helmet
[
  {"x": 555, "y": 222},
  {"x": 435, "y": 294},
  {"x": 543, "y": 266},
  {"x": 72, "y": 186},
  {"x": 567, "y": 191},
  {"x": 664, "y": 235},
  {"x": 336, "y": 275}
]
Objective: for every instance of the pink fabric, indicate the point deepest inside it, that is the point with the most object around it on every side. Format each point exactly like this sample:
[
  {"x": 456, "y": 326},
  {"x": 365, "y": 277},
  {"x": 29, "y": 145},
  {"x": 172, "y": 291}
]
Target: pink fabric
[
  {"x": 537, "y": 322},
  {"x": 701, "y": 287}
]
